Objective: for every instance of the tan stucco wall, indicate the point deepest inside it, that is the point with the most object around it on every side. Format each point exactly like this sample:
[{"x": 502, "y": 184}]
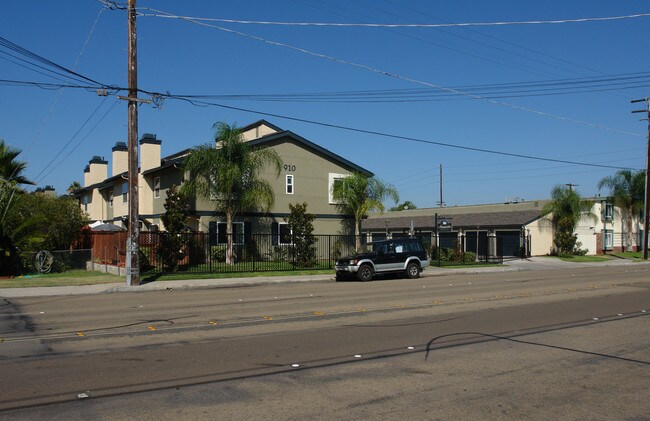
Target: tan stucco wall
[
  {"x": 257, "y": 132},
  {"x": 541, "y": 233}
]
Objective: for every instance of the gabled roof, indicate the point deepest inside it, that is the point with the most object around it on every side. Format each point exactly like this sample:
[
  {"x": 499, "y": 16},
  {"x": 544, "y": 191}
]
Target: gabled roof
[
  {"x": 177, "y": 158},
  {"x": 259, "y": 123},
  {"x": 309, "y": 145}
]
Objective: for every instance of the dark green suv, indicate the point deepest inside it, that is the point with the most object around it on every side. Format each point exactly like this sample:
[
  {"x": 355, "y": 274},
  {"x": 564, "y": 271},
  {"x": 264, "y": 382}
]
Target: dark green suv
[{"x": 405, "y": 255}]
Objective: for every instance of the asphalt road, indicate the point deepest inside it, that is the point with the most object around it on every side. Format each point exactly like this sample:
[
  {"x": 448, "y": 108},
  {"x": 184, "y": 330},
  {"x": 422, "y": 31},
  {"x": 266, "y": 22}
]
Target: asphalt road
[{"x": 560, "y": 344}]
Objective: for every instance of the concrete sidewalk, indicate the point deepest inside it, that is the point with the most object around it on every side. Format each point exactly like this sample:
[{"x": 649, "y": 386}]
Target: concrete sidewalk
[{"x": 533, "y": 263}]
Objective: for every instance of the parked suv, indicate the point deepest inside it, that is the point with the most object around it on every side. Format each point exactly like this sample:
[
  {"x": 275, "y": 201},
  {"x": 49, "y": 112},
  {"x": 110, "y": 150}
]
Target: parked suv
[{"x": 397, "y": 255}]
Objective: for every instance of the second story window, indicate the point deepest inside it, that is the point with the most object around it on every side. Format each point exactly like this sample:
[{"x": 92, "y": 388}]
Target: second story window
[
  {"x": 156, "y": 187},
  {"x": 125, "y": 192},
  {"x": 110, "y": 199},
  {"x": 289, "y": 189},
  {"x": 608, "y": 212}
]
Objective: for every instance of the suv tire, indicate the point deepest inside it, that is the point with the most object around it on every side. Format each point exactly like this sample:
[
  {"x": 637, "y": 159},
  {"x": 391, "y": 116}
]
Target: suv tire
[
  {"x": 365, "y": 273},
  {"x": 412, "y": 270}
]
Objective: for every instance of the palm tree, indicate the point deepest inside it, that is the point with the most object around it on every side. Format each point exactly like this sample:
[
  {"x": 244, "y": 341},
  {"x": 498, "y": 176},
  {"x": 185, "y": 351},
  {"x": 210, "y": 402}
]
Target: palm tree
[
  {"x": 228, "y": 174},
  {"x": 10, "y": 169},
  {"x": 74, "y": 186},
  {"x": 566, "y": 208},
  {"x": 627, "y": 190},
  {"x": 359, "y": 195}
]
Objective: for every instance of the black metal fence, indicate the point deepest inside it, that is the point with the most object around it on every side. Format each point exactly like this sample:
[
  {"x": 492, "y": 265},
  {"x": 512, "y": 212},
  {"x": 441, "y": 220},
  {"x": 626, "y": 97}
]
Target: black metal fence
[
  {"x": 471, "y": 248},
  {"x": 200, "y": 252}
]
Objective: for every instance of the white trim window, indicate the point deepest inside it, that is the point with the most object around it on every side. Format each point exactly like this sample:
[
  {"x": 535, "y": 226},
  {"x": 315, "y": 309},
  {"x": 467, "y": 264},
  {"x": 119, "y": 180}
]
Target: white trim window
[
  {"x": 608, "y": 212},
  {"x": 608, "y": 239},
  {"x": 289, "y": 184},
  {"x": 110, "y": 199},
  {"x": 332, "y": 179},
  {"x": 86, "y": 200},
  {"x": 284, "y": 234},
  {"x": 237, "y": 233},
  {"x": 156, "y": 188},
  {"x": 125, "y": 192}
]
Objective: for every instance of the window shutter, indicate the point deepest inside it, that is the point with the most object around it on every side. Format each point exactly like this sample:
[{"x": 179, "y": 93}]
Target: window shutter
[
  {"x": 247, "y": 232},
  {"x": 212, "y": 232},
  {"x": 274, "y": 233}
]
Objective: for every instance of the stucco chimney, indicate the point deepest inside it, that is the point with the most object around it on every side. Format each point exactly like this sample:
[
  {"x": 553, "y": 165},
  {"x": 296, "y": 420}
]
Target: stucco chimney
[
  {"x": 149, "y": 152},
  {"x": 96, "y": 171},
  {"x": 120, "y": 159}
]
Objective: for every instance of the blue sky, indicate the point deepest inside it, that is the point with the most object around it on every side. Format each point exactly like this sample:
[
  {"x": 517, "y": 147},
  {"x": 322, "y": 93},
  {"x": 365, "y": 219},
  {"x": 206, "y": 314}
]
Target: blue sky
[{"x": 606, "y": 61}]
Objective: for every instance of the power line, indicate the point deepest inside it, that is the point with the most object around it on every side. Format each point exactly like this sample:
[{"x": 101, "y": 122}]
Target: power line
[
  {"x": 394, "y": 75},
  {"x": 30, "y": 54},
  {"x": 71, "y": 139},
  {"x": 381, "y": 134},
  {"x": 161, "y": 14},
  {"x": 92, "y": 129}
]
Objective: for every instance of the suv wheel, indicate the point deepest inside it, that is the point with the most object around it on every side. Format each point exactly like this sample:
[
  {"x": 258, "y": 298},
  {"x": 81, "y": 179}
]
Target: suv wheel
[
  {"x": 413, "y": 270},
  {"x": 365, "y": 273}
]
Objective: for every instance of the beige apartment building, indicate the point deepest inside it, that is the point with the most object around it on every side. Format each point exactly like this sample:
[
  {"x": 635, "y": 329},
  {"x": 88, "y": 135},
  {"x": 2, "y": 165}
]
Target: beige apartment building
[
  {"x": 308, "y": 174},
  {"x": 507, "y": 229}
]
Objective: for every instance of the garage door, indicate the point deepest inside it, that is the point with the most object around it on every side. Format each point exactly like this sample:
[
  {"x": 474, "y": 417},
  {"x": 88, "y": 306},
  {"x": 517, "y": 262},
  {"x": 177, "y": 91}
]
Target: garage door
[{"x": 508, "y": 243}]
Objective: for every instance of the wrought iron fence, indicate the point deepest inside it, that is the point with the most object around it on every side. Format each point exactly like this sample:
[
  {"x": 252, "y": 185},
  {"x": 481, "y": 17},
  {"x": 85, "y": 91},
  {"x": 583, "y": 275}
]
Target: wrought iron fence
[
  {"x": 452, "y": 249},
  {"x": 200, "y": 252}
]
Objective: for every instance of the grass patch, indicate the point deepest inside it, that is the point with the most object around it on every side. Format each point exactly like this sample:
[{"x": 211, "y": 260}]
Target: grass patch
[
  {"x": 629, "y": 255},
  {"x": 70, "y": 278},
  {"x": 584, "y": 259}
]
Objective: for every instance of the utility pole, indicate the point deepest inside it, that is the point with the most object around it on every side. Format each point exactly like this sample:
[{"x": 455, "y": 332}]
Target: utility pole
[
  {"x": 647, "y": 176},
  {"x": 571, "y": 186},
  {"x": 133, "y": 242},
  {"x": 441, "y": 203}
]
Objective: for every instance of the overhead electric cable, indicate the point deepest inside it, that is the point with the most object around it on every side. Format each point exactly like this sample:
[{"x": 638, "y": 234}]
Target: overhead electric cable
[
  {"x": 27, "y": 53},
  {"x": 92, "y": 129},
  {"x": 381, "y": 134},
  {"x": 37, "y": 179},
  {"x": 396, "y": 76},
  {"x": 161, "y": 14}
]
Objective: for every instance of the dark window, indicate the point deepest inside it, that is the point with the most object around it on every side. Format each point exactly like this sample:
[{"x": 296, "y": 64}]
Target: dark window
[{"x": 237, "y": 233}]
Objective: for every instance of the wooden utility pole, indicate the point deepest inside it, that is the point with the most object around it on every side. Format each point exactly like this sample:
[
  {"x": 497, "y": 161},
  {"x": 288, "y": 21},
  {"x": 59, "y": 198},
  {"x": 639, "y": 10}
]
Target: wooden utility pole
[
  {"x": 647, "y": 176},
  {"x": 133, "y": 242}
]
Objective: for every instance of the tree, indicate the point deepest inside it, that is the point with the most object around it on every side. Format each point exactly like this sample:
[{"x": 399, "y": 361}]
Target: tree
[
  {"x": 73, "y": 187},
  {"x": 228, "y": 174},
  {"x": 10, "y": 169},
  {"x": 627, "y": 190},
  {"x": 566, "y": 208},
  {"x": 172, "y": 240},
  {"x": 35, "y": 222},
  {"x": 408, "y": 205},
  {"x": 358, "y": 195},
  {"x": 300, "y": 223}
]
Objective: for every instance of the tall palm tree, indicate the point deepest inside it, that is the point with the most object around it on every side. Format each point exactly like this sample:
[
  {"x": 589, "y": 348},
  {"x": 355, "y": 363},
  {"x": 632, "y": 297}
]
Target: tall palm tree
[
  {"x": 627, "y": 190},
  {"x": 73, "y": 187},
  {"x": 566, "y": 208},
  {"x": 228, "y": 174},
  {"x": 359, "y": 195},
  {"x": 10, "y": 169}
]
